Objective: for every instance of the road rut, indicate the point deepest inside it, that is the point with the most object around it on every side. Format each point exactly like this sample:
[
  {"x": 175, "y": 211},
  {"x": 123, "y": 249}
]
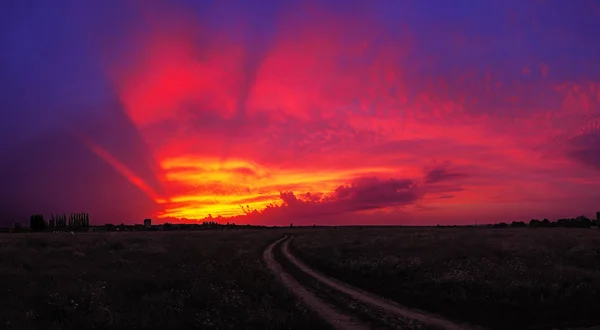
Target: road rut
[
  {"x": 377, "y": 307},
  {"x": 335, "y": 317}
]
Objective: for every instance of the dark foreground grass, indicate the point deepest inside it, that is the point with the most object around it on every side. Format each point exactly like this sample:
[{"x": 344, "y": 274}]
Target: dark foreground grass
[
  {"x": 154, "y": 280},
  {"x": 501, "y": 279}
]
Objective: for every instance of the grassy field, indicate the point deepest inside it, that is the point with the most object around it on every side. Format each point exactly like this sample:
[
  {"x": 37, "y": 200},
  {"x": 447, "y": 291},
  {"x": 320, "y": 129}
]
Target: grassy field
[
  {"x": 498, "y": 278},
  {"x": 502, "y": 278},
  {"x": 161, "y": 280}
]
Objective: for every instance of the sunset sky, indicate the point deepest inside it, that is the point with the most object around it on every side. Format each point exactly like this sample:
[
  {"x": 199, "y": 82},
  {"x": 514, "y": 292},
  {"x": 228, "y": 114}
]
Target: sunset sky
[{"x": 327, "y": 112}]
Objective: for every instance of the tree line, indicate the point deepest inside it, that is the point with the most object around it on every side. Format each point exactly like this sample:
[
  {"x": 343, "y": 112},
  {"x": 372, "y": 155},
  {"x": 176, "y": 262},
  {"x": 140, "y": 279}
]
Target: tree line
[
  {"x": 75, "y": 221},
  {"x": 578, "y": 222}
]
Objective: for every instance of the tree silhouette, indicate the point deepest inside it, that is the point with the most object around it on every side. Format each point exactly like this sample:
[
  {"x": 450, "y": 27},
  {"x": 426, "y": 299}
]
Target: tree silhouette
[
  {"x": 78, "y": 221},
  {"x": 37, "y": 223}
]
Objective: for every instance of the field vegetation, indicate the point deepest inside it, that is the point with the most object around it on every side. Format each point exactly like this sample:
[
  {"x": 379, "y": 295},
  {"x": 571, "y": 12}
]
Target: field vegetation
[
  {"x": 150, "y": 280},
  {"x": 497, "y": 278}
]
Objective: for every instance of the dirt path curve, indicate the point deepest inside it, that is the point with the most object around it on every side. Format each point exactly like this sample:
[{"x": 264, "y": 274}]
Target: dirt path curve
[
  {"x": 376, "y": 302},
  {"x": 336, "y": 318}
]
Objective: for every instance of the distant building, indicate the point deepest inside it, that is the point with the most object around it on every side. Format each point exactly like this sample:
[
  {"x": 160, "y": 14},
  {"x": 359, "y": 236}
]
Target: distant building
[
  {"x": 148, "y": 223},
  {"x": 598, "y": 217}
]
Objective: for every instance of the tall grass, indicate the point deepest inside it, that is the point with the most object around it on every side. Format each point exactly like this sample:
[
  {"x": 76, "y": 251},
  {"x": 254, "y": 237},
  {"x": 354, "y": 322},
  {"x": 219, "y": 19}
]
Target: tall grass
[
  {"x": 504, "y": 279},
  {"x": 152, "y": 280}
]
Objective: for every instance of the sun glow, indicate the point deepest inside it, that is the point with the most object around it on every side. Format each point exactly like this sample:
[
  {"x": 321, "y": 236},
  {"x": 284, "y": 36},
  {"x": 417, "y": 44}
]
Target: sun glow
[{"x": 222, "y": 186}]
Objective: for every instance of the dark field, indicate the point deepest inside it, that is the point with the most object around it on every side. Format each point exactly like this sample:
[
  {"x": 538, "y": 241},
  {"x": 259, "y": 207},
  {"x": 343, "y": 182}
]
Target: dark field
[
  {"x": 153, "y": 280},
  {"x": 498, "y": 278}
]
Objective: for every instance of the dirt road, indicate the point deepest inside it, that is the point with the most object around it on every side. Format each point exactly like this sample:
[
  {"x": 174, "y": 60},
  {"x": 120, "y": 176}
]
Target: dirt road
[
  {"x": 331, "y": 314},
  {"x": 342, "y": 305}
]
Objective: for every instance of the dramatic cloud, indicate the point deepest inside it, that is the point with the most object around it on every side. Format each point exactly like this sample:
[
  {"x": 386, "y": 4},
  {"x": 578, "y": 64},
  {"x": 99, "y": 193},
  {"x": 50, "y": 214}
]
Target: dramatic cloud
[
  {"x": 441, "y": 174},
  {"x": 361, "y": 194},
  {"x": 337, "y": 111}
]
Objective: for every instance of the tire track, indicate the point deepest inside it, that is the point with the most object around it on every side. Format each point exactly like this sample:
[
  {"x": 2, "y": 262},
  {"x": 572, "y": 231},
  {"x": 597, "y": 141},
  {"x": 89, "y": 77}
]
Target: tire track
[
  {"x": 381, "y": 307},
  {"x": 373, "y": 319},
  {"x": 335, "y": 317}
]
